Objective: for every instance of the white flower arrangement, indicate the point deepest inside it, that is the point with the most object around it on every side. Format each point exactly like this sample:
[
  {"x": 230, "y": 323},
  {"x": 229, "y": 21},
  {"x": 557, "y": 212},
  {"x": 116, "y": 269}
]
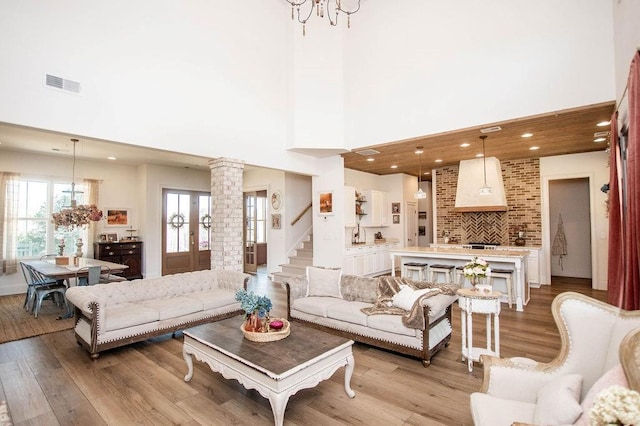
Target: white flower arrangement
[
  {"x": 616, "y": 405},
  {"x": 477, "y": 268}
]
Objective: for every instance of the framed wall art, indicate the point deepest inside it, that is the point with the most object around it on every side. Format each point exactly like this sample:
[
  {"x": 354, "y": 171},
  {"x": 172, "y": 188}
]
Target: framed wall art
[
  {"x": 325, "y": 201},
  {"x": 276, "y": 221},
  {"x": 396, "y": 218},
  {"x": 395, "y": 208},
  {"x": 117, "y": 217}
]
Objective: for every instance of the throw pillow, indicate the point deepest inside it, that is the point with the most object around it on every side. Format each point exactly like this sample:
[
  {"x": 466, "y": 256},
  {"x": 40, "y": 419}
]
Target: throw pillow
[
  {"x": 559, "y": 401},
  {"x": 324, "y": 281},
  {"x": 615, "y": 376},
  {"x": 406, "y": 297}
]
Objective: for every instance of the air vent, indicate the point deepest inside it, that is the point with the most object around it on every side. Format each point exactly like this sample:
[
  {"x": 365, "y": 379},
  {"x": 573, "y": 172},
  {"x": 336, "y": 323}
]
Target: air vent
[
  {"x": 491, "y": 129},
  {"x": 601, "y": 134},
  {"x": 367, "y": 152},
  {"x": 62, "y": 83}
]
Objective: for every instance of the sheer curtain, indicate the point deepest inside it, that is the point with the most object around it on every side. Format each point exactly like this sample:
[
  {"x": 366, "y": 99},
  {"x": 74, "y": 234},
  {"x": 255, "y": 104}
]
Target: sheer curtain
[
  {"x": 93, "y": 195},
  {"x": 9, "y": 190}
]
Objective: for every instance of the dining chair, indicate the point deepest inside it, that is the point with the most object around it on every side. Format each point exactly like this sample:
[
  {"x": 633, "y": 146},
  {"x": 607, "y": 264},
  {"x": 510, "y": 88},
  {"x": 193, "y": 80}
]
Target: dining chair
[
  {"x": 89, "y": 275},
  {"x": 41, "y": 287}
]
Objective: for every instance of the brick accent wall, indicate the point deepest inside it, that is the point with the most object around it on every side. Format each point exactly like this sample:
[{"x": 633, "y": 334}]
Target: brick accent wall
[
  {"x": 226, "y": 207},
  {"x": 522, "y": 186}
]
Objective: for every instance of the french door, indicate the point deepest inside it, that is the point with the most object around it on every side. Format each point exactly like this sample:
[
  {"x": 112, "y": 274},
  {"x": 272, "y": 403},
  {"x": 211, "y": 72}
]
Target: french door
[
  {"x": 255, "y": 230},
  {"x": 186, "y": 231}
]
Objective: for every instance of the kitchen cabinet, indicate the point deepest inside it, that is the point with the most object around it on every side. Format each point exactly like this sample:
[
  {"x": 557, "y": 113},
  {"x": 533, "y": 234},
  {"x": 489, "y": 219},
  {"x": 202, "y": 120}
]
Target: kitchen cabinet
[
  {"x": 126, "y": 253},
  {"x": 368, "y": 259},
  {"x": 378, "y": 208}
]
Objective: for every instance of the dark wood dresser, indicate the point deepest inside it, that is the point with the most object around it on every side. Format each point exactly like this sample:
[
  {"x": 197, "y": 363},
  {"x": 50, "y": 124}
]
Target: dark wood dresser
[{"x": 126, "y": 253}]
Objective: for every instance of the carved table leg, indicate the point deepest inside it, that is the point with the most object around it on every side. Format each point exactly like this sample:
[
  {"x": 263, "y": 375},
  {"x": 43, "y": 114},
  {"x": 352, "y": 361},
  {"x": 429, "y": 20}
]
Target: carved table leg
[
  {"x": 189, "y": 361},
  {"x": 278, "y": 405},
  {"x": 348, "y": 372}
]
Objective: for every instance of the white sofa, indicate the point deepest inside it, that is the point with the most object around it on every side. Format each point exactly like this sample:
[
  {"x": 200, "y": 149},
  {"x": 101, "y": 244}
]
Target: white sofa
[
  {"x": 520, "y": 390},
  {"x": 116, "y": 314},
  {"x": 341, "y": 314}
]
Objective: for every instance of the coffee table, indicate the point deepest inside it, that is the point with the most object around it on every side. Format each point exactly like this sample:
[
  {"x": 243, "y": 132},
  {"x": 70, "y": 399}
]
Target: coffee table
[{"x": 277, "y": 369}]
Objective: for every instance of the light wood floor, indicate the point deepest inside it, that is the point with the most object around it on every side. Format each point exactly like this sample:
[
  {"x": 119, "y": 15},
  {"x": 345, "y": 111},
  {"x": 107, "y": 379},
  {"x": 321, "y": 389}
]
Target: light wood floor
[{"x": 50, "y": 380}]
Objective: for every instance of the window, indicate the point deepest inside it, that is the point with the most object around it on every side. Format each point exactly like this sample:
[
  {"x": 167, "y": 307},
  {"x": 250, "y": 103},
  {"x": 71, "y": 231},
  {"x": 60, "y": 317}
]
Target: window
[{"x": 37, "y": 200}]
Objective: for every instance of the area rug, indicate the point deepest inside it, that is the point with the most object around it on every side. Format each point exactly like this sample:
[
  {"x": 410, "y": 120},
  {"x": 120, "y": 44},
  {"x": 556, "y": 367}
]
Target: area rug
[
  {"x": 5, "y": 416},
  {"x": 16, "y": 323}
]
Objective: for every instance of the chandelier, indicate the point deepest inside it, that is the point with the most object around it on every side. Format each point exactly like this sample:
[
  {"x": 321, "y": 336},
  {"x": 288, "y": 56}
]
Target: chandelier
[
  {"x": 420, "y": 194},
  {"x": 74, "y": 215},
  {"x": 331, "y": 8}
]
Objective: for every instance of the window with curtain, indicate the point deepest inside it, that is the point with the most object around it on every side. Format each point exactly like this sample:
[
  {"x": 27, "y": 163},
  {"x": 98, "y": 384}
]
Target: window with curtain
[{"x": 37, "y": 199}]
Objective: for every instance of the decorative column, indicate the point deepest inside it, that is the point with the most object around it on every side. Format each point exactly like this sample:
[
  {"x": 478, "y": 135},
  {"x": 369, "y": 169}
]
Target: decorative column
[{"x": 226, "y": 214}]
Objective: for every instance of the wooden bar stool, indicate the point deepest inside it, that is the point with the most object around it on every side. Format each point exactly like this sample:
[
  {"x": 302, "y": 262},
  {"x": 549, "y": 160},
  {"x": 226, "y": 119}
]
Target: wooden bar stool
[
  {"x": 507, "y": 275},
  {"x": 460, "y": 278},
  {"x": 441, "y": 269},
  {"x": 411, "y": 267}
]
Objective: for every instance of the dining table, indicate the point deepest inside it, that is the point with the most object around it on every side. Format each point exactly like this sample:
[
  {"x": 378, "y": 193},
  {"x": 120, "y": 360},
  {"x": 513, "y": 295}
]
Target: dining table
[{"x": 50, "y": 269}]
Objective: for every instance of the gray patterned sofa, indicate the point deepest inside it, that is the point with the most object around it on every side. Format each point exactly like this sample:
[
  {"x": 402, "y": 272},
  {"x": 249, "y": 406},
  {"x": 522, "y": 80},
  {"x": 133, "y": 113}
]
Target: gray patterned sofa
[
  {"x": 116, "y": 314},
  {"x": 337, "y": 307}
]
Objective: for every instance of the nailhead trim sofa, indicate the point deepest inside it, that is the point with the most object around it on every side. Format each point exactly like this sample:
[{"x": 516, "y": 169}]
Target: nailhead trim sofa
[{"x": 116, "y": 314}]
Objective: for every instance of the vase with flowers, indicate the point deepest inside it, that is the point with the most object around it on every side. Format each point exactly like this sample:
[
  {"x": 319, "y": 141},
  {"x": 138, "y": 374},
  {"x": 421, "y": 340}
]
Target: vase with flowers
[
  {"x": 476, "y": 270},
  {"x": 256, "y": 310},
  {"x": 76, "y": 217}
]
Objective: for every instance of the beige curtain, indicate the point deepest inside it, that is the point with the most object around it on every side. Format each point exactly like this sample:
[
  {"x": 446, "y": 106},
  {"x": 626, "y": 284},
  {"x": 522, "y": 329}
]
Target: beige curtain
[
  {"x": 9, "y": 190},
  {"x": 93, "y": 195}
]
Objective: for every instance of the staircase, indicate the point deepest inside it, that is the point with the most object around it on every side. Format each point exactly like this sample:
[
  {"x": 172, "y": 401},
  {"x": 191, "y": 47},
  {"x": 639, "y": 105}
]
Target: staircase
[{"x": 297, "y": 263}]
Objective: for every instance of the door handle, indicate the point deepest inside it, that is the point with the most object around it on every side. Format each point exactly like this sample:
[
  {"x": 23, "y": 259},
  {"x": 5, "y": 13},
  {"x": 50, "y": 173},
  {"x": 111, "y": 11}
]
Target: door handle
[{"x": 191, "y": 237}]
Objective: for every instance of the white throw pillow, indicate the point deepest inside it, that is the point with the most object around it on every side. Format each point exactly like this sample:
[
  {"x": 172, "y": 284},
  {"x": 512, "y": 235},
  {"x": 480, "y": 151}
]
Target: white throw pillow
[
  {"x": 559, "y": 401},
  {"x": 406, "y": 297},
  {"x": 324, "y": 281}
]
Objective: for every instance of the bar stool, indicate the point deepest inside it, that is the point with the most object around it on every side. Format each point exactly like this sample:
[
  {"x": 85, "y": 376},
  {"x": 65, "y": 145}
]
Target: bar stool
[
  {"x": 460, "y": 275},
  {"x": 507, "y": 275},
  {"x": 441, "y": 269},
  {"x": 420, "y": 268}
]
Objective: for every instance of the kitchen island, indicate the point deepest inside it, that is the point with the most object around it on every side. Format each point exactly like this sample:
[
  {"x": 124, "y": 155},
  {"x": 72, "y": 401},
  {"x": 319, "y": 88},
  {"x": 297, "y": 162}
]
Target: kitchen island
[{"x": 459, "y": 256}]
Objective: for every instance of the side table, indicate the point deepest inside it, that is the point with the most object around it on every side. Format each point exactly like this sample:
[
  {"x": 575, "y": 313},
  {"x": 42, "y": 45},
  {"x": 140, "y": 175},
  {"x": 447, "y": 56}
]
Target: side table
[{"x": 474, "y": 301}]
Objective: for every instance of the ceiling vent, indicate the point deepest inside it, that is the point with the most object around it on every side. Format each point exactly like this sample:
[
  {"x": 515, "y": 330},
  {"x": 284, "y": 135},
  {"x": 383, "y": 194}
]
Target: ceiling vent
[
  {"x": 367, "y": 152},
  {"x": 491, "y": 129},
  {"x": 62, "y": 84}
]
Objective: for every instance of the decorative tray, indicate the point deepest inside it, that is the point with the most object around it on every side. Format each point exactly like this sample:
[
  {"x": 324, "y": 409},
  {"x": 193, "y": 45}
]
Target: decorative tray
[{"x": 270, "y": 336}]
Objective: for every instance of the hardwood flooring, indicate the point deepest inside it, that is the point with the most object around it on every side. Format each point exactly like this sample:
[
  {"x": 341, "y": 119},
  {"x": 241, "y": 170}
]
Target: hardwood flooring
[{"x": 50, "y": 380}]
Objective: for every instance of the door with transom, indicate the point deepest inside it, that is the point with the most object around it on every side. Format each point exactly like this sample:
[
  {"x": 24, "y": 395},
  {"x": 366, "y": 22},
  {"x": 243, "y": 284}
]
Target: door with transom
[{"x": 186, "y": 231}]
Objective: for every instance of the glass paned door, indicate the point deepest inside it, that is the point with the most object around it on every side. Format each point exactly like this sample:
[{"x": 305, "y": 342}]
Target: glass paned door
[
  {"x": 250, "y": 232},
  {"x": 186, "y": 231}
]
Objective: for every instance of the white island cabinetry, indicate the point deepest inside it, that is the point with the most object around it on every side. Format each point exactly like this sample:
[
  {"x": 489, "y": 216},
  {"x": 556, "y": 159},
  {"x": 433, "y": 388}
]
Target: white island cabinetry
[{"x": 368, "y": 259}]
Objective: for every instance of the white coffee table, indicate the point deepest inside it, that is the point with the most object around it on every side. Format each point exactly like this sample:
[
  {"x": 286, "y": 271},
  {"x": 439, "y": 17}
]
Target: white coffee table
[{"x": 277, "y": 369}]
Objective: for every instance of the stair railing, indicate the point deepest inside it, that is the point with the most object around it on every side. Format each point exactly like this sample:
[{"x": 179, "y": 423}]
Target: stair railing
[{"x": 297, "y": 218}]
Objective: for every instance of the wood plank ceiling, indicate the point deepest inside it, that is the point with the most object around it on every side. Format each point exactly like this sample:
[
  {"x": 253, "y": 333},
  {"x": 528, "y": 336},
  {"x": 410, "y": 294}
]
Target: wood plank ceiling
[{"x": 557, "y": 133}]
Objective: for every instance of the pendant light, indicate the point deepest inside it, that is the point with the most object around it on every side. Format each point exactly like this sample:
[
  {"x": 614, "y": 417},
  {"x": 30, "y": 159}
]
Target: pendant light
[
  {"x": 73, "y": 192},
  {"x": 485, "y": 189},
  {"x": 420, "y": 194}
]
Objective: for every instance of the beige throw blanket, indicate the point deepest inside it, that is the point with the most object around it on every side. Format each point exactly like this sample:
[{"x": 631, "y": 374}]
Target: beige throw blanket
[{"x": 388, "y": 286}]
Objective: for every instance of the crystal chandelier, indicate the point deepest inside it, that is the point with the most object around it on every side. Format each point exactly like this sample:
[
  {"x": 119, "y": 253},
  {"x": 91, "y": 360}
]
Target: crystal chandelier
[
  {"x": 420, "y": 194},
  {"x": 331, "y": 8}
]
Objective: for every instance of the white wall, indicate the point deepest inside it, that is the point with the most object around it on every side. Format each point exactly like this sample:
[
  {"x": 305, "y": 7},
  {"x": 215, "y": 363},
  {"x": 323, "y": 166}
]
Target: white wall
[
  {"x": 417, "y": 67},
  {"x": 594, "y": 166},
  {"x": 627, "y": 42},
  {"x": 328, "y": 230},
  {"x": 569, "y": 199}
]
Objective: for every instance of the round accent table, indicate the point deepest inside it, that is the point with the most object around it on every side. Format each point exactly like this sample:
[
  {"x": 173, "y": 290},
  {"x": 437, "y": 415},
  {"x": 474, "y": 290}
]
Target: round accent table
[{"x": 472, "y": 301}]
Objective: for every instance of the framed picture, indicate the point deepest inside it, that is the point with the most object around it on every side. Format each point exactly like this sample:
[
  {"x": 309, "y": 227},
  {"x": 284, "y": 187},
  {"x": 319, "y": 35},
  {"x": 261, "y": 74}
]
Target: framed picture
[
  {"x": 117, "y": 217},
  {"x": 325, "y": 201},
  {"x": 396, "y": 218},
  {"x": 276, "y": 200},
  {"x": 422, "y": 230},
  {"x": 422, "y": 215},
  {"x": 395, "y": 208},
  {"x": 275, "y": 221},
  {"x": 111, "y": 237}
]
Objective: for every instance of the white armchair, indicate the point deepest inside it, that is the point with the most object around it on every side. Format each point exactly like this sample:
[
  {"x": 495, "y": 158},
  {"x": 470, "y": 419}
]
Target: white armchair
[{"x": 522, "y": 390}]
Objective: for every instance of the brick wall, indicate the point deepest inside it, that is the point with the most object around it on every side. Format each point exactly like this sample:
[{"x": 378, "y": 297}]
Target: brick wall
[{"x": 522, "y": 186}]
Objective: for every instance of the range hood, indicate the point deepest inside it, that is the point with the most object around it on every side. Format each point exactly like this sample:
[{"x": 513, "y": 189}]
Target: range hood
[{"x": 471, "y": 179}]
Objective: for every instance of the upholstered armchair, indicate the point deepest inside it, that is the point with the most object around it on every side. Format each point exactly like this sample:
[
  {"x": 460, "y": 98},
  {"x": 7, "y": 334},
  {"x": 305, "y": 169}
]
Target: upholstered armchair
[{"x": 561, "y": 391}]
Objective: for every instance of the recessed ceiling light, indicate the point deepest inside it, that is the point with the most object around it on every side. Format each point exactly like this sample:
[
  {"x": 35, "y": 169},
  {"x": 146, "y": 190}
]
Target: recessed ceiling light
[
  {"x": 111, "y": 158},
  {"x": 394, "y": 166},
  {"x": 603, "y": 123},
  {"x": 464, "y": 145},
  {"x": 438, "y": 160},
  {"x": 426, "y": 173},
  {"x": 527, "y": 135},
  {"x": 480, "y": 155},
  {"x": 598, "y": 140},
  {"x": 371, "y": 159},
  {"x": 418, "y": 151},
  {"x": 534, "y": 148}
]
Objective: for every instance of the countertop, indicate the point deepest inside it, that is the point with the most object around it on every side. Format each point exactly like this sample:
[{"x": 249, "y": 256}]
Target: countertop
[
  {"x": 458, "y": 245},
  {"x": 373, "y": 243}
]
